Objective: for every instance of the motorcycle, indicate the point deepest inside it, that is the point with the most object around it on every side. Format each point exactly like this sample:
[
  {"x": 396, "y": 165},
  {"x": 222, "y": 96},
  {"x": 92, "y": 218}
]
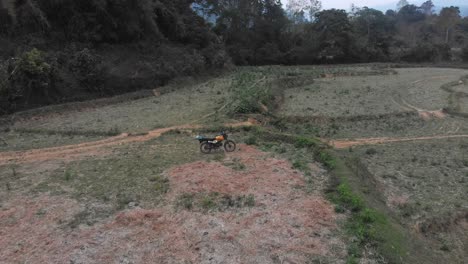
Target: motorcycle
[{"x": 209, "y": 144}]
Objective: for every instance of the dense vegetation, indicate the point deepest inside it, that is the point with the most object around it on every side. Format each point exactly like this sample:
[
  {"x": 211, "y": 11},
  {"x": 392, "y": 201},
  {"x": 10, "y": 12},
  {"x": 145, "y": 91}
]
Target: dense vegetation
[
  {"x": 63, "y": 50},
  {"x": 263, "y": 32}
]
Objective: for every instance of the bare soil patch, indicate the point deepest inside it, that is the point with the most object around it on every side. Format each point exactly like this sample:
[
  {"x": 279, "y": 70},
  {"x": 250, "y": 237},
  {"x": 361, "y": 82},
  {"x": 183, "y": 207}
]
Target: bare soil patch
[{"x": 284, "y": 226}]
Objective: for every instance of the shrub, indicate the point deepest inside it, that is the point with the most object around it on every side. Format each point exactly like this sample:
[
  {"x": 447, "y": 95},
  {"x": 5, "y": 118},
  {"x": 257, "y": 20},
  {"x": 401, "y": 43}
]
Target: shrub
[
  {"x": 31, "y": 78},
  {"x": 250, "y": 200},
  {"x": 302, "y": 142},
  {"x": 300, "y": 165},
  {"x": 464, "y": 54},
  {"x": 371, "y": 151},
  {"x": 67, "y": 175},
  {"x": 186, "y": 201},
  {"x": 86, "y": 67},
  {"x": 252, "y": 140},
  {"x": 426, "y": 52},
  {"x": 326, "y": 158},
  {"x": 5, "y": 22},
  {"x": 208, "y": 202},
  {"x": 348, "y": 199},
  {"x": 32, "y": 63}
]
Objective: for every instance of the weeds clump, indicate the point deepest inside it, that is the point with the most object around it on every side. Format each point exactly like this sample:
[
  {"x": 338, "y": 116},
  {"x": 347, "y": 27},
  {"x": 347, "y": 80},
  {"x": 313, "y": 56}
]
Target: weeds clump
[
  {"x": 281, "y": 149},
  {"x": 465, "y": 163},
  {"x": 214, "y": 201},
  {"x": 80, "y": 218},
  {"x": 445, "y": 247},
  {"x": 300, "y": 165},
  {"x": 186, "y": 201},
  {"x": 67, "y": 175},
  {"x": 161, "y": 184},
  {"x": 250, "y": 200},
  {"x": 235, "y": 164},
  {"x": 251, "y": 140},
  {"x": 208, "y": 202},
  {"x": 114, "y": 131},
  {"x": 347, "y": 199},
  {"x": 303, "y": 142},
  {"x": 371, "y": 151},
  {"x": 326, "y": 159},
  {"x": 219, "y": 157}
]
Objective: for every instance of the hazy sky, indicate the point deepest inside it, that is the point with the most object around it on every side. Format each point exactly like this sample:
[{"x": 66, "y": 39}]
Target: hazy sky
[{"x": 345, "y": 4}]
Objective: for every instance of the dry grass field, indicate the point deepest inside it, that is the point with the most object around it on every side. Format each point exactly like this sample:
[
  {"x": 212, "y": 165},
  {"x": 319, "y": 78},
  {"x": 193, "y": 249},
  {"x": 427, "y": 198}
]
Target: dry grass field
[{"x": 126, "y": 183}]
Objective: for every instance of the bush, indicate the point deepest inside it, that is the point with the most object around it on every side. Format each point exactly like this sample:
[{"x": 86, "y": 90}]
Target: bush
[
  {"x": 32, "y": 79},
  {"x": 427, "y": 52},
  {"x": 87, "y": 70},
  {"x": 464, "y": 54},
  {"x": 300, "y": 165},
  {"x": 5, "y": 22},
  {"x": 252, "y": 140},
  {"x": 326, "y": 158},
  {"x": 349, "y": 199},
  {"x": 33, "y": 64},
  {"x": 371, "y": 151},
  {"x": 303, "y": 142}
]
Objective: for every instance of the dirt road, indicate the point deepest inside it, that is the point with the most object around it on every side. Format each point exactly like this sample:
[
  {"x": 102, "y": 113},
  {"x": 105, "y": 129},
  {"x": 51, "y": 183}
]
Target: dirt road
[
  {"x": 94, "y": 148},
  {"x": 342, "y": 144}
]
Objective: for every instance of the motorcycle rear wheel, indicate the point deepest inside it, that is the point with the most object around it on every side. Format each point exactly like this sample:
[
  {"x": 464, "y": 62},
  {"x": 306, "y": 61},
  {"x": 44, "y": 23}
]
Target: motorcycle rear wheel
[{"x": 205, "y": 148}]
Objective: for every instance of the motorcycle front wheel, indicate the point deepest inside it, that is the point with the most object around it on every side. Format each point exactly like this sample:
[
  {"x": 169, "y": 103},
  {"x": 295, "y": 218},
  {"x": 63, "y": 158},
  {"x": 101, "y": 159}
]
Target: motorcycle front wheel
[
  {"x": 230, "y": 146},
  {"x": 205, "y": 148}
]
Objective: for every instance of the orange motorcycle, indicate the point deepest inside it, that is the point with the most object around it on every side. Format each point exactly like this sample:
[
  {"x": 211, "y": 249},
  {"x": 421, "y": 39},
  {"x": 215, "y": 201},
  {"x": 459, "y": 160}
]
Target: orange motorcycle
[{"x": 209, "y": 144}]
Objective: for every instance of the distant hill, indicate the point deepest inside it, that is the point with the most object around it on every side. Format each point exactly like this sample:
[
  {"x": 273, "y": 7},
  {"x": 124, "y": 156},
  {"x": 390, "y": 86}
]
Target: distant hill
[{"x": 439, "y": 4}]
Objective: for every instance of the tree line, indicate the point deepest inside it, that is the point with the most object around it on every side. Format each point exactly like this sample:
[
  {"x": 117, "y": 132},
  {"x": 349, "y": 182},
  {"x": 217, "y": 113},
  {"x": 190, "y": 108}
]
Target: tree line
[{"x": 265, "y": 32}]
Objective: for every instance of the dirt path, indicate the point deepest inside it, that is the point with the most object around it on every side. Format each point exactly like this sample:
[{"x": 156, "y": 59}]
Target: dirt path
[
  {"x": 94, "y": 148},
  {"x": 423, "y": 113},
  {"x": 342, "y": 144}
]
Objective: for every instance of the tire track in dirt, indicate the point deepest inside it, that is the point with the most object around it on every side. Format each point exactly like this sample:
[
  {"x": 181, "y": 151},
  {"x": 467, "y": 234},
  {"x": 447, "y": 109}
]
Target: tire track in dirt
[
  {"x": 94, "y": 148},
  {"x": 423, "y": 113},
  {"x": 342, "y": 144}
]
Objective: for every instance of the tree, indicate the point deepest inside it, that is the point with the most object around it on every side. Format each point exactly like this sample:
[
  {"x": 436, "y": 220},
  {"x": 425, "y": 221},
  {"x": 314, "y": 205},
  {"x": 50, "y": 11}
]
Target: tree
[
  {"x": 410, "y": 14},
  {"x": 427, "y": 8},
  {"x": 302, "y": 8},
  {"x": 374, "y": 30},
  {"x": 449, "y": 17},
  {"x": 251, "y": 30},
  {"x": 334, "y": 34},
  {"x": 6, "y": 21},
  {"x": 401, "y": 4}
]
